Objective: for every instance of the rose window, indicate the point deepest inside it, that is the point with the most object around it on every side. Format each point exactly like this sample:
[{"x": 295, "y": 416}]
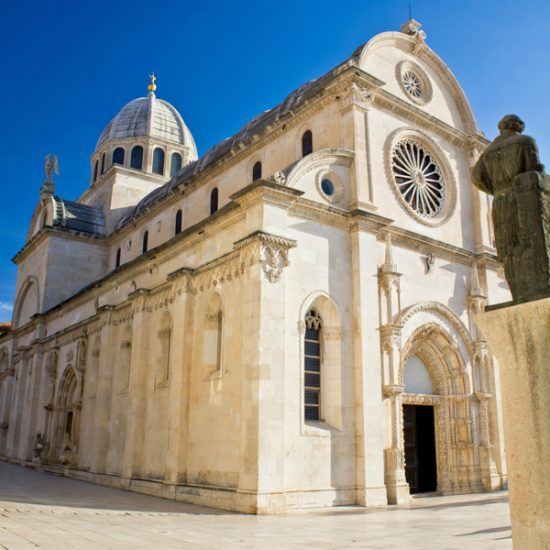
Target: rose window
[
  {"x": 418, "y": 178},
  {"x": 412, "y": 84}
]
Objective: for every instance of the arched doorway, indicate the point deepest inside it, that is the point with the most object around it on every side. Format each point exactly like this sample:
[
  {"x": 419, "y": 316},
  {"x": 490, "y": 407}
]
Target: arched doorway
[
  {"x": 67, "y": 418},
  {"x": 440, "y": 443}
]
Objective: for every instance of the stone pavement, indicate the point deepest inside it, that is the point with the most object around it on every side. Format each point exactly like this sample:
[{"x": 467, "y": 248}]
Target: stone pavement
[{"x": 38, "y": 510}]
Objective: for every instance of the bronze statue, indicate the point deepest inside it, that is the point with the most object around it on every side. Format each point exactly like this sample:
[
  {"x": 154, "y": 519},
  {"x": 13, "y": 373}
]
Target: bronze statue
[{"x": 510, "y": 170}]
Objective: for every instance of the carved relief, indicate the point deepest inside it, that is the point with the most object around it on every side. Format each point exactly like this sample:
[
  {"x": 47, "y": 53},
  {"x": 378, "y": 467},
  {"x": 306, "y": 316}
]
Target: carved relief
[{"x": 273, "y": 260}]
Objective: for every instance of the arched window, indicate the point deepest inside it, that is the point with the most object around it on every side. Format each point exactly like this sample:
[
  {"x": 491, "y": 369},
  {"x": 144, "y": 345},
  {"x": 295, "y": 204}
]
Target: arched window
[
  {"x": 117, "y": 259},
  {"x": 118, "y": 156},
  {"x": 178, "y": 222},
  {"x": 96, "y": 167},
  {"x": 214, "y": 200},
  {"x": 136, "y": 159},
  {"x": 307, "y": 143},
  {"x": 145, "y": 245},
  {"x": 175, "y": 164},
  {"x": 103, "y": 164},
  {"x": 312, "y": 366},
  {"x": 158, "y": 161},
  {"x": 257, "y": 171}
]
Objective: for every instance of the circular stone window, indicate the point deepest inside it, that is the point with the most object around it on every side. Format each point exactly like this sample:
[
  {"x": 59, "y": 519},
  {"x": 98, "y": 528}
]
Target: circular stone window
[
  {"x": 418, "y": 178},
  {"x": 328, "y": 187},
  {"x": 415, "y": 82}
]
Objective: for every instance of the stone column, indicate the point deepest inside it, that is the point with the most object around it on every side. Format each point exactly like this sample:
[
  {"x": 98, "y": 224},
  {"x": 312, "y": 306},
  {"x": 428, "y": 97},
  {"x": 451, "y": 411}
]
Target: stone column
[
  {"x": 389, "y": 296},
  {"x": 519, "y": 337},
  {"x": 104, "y": 389},
  {"x": 180, "y": 364},
  {"x": 371, "y": 490},
  {"x": 137, "y": 388}
]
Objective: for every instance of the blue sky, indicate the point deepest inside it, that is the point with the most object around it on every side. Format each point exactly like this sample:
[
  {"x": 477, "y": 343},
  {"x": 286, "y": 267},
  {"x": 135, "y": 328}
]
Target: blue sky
[{"x": 68, "y": 67}]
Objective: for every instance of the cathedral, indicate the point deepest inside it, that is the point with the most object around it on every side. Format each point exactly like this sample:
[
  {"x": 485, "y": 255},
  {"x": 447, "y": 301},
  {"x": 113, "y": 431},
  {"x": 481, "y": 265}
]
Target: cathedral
[{"x": 285, "y": 322}]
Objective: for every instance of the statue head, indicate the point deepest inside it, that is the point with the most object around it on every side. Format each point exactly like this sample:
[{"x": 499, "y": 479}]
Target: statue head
[{"x": 512, "y": 124}]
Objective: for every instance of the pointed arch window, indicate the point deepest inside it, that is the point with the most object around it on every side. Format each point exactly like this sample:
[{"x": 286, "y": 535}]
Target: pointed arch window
[
  {"x": 118, "y": 156},
  {"x": 175, "y": 164},
  {"x": 307, "y": 143},
  {"x": 145, "y": 244},
  {"x": 257, "y": 171},
  {"x": 96, "y": 168},
  {"x": 312, "y": 366},
  {"x": 158, "y": 161},
  {"x": 179, "y": 217},
  {"x": 214, "y": 201},
  {"x": 136, "y": 157},
  {"x": 103, "y": 164},
  {"x": 117, "y": 258}
]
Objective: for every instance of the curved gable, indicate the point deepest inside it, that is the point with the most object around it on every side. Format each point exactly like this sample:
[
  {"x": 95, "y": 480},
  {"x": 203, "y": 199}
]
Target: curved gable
[{"x": 384, "y": 57}]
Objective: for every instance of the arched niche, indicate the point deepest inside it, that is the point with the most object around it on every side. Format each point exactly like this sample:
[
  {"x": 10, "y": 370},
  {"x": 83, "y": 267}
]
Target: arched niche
[{"x": 27, "y": 302}]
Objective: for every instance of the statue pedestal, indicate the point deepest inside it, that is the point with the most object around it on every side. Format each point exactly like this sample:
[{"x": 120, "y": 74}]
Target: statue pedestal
[{"x": 519, "y": 336}]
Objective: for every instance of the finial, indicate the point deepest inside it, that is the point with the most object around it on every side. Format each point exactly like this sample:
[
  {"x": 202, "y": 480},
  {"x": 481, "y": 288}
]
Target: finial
[
  {"x": 51, "y": 167},
  {"x": 152, "y": 86},
  {"x": 388, "y": 261},
  {"x": 475, "y": 286}
]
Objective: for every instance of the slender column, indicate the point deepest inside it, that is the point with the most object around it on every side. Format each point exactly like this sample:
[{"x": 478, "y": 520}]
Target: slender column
[
  {"x": 180, "y": 355},
  {"x": 104, "y": 390},
  {"x": 389, "y": 295},
  {"x": 135, "y": 430},
  {"x": 368, "y": 380}
]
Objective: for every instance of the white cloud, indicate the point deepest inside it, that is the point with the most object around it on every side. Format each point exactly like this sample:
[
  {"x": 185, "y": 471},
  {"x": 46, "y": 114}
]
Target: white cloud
[{"x": 6, "y": 310}]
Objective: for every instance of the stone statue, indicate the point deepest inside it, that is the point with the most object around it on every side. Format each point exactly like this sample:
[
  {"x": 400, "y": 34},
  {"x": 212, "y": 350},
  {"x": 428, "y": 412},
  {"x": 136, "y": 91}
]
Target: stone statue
[
  {"x": 51, "y": 167},
  {"x": 510, "y": 170}
]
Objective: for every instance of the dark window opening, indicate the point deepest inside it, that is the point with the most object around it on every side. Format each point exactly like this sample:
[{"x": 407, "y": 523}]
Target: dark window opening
[
  {"x": 214, "y": 200},
  {"x": 257, "y": 171},
  {"x": 178, "y": 222},
  {"x": 136, "y": 159},
  {"x": 307, "y": 143},
  {"x": 69, "y": 423},
  {"x": 96, "y": 168},
  {"x": 175, "y": 164},
  {"x": 158, "y": 161},
  {"x": 117, "y": 259},
  {"x": 103, "y": 164},
  {"x": 312, "y": 367},
  {"x": 145, "y": 242},
  {"x": 118, "y": 156}
]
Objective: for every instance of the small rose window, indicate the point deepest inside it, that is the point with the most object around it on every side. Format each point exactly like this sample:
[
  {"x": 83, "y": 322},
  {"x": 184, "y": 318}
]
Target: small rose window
[
  {"x": 412, "y": 84},
  {"x": 328, "y": 187},
  {"x": 418, "y": 178}
]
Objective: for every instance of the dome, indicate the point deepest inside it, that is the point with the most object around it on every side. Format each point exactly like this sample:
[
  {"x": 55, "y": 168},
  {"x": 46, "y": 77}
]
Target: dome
[{"x": 151, "y": 117}]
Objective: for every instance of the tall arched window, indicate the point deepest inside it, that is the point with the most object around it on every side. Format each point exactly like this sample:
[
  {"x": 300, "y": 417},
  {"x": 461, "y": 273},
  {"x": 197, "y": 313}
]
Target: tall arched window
[
  {"x": 179, "y": 216},
  {"x": 136, "y": 158},
  {"x": 96, "y": 167},
  {"x": 158, "y": 161},
  {"x": 214, "y": 200},
  {"x": 175, "y": 164},
  {"x": 307, "y": 143},
  {"x": 118, "y": 156},
  {"x": 257, "y": 171},
  {"x": 312, "y": 366},
  {"x": 145, "y": 245},
  {"x": 103, "y": 164},
  {"x": 117, "y": 259}
]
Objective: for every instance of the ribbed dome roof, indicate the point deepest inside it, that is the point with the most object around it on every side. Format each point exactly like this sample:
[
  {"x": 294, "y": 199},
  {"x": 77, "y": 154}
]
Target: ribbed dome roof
[{"x": 149, "y": 116}]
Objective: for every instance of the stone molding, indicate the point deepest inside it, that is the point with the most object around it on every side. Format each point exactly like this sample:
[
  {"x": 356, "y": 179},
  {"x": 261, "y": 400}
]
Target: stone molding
[{"x": 443, "y": 163}]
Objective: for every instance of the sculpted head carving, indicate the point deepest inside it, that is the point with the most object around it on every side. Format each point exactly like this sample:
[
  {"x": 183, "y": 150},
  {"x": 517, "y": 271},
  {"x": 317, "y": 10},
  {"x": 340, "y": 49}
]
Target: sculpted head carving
[{"x": 511, "y": 123}]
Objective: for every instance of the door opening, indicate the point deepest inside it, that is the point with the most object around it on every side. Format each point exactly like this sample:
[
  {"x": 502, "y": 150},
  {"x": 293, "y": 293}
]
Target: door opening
[{"x": 419, "y": 437}]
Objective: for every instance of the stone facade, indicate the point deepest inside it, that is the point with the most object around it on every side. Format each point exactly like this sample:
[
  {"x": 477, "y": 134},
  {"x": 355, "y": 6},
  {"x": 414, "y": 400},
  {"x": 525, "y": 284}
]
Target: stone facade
[{"x": 168, "y": 356}]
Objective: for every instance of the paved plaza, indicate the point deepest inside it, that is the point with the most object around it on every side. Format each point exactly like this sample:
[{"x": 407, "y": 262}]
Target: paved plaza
[{"x": 39, "y": 510}]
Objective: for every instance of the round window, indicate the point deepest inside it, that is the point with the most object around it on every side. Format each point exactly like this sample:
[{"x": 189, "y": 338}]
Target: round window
[
  {"x": 412, "y": 84},
  {"x": 328, "y": 187},
  {"x": 418, "y": 178}
]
